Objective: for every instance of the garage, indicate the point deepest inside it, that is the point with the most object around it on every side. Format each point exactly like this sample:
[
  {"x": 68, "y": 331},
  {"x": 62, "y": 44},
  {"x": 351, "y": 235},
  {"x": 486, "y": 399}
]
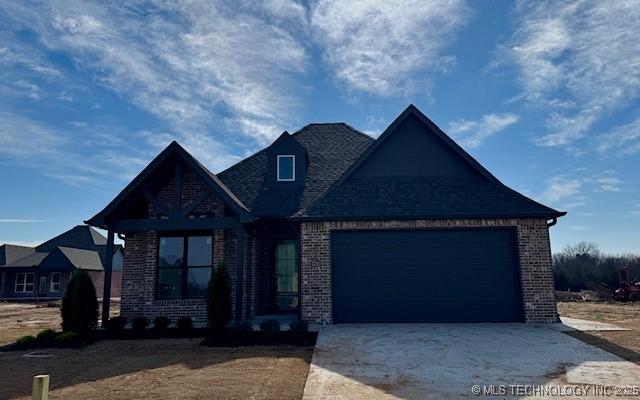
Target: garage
[{"x": 437, "y": 275}]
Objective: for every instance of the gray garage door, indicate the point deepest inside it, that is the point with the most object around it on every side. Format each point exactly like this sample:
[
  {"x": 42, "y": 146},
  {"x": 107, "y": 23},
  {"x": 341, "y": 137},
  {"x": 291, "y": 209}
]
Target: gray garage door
[{"x": 466, "y": 275}]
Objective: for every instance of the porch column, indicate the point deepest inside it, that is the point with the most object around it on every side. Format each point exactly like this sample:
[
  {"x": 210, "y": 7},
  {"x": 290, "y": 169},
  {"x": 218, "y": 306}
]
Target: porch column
[
  {"x": 106, "y": 292},
  {"x": 239, "y": 272}
]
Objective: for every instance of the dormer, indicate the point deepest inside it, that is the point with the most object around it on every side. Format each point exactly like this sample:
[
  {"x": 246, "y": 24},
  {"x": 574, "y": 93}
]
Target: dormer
[{"x": 287, "y": 162}]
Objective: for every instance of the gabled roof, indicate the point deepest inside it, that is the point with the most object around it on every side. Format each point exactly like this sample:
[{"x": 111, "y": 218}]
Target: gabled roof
[
  {"x": 11, "y": 252},
  {"x": 330, "y": 148},
  {"x": 82, "y": 259},
  {"x": 80, "y": 237},
  {"x": 32, "y": 260},
  {"x": 416, "y": 197},
  {"x": 173, "y": 149}
]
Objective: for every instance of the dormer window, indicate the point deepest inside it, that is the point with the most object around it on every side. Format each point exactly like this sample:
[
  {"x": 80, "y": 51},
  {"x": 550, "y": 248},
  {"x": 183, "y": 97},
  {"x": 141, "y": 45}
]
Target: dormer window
[{"x": 286, "y": 168}]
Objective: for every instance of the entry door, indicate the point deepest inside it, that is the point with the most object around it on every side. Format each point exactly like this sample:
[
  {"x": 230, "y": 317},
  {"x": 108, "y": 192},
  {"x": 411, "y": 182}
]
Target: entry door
[
  {"x": 286, "y": 271},
  {"x": 42, "y": 287}
]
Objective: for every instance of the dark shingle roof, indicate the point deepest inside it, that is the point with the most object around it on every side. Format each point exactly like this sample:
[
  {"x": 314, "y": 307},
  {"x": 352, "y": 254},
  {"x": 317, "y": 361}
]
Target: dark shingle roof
[
  {"x": 331, "y": 148},
  {"x": 11, "y": 252},
  {"x": 32, "y": 260},
  {"x": 83, "y": 259},
  {"x": 424, "y": 197},
  {"x": 79, "y": 237}
]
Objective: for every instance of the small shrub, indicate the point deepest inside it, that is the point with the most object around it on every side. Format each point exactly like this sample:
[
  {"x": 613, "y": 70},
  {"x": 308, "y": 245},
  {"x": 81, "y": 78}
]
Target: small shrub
[
  {"x": 219, "y": 299},
  {"x": 298, "y": 327},
  {"x": 46, "y": 336},
  {"x": 184, "y": 323},
  {"x": 79, "y": 308},
  {"x": 270, "y": 326},
  {"x": 139, "y": 324},
  {"x": 116, "y": 324},
  {"x": 68, "y": 339},
  {"x": 25, "y": 341},
  {"x": 161, "y": 323}
]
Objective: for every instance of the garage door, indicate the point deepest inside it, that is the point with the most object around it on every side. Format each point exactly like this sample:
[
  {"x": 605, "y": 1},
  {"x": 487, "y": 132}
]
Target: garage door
[{"x": 466, "y": 275}]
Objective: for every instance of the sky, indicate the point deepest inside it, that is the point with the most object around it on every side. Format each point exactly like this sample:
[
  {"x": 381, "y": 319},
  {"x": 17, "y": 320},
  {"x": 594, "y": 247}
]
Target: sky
[{"x": 546, "y": 95}]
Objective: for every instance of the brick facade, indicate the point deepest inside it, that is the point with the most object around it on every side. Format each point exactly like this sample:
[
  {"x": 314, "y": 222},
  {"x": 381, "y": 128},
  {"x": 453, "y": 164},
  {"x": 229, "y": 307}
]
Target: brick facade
[
  {"x": 141, "y": 258},
  {"x": 536, "y": 273}
]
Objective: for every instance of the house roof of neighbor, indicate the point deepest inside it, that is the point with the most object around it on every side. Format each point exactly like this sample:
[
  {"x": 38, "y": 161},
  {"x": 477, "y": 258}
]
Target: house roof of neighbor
[
  {"x": 81, "y": 247},
  {"x": 83, "y": 259},
  {"x": 11, "y": 252}
]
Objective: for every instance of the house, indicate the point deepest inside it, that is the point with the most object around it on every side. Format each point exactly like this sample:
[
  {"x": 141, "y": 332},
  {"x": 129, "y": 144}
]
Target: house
[
  {"x": 333, "y": 226},
  {"x": 42, "y": 272}
]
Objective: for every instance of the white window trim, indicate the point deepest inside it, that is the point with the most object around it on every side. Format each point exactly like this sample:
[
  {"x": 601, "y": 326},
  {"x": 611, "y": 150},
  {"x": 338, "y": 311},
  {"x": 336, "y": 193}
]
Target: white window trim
[
  {"x": 24, "y": 284},
  {"x": 51, "y": 283},
  {"x": 278, "y": 168}
]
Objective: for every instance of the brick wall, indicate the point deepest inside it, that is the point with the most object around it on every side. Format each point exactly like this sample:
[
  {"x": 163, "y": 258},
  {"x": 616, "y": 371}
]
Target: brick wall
[
  {"x": 534, "y": 252},
  {"x": 139, "y": 270}
]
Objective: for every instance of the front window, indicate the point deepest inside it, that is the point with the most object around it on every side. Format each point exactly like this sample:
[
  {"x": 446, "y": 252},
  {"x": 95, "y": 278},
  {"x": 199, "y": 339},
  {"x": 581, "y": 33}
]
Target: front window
[
  {"x": 54, "y": 284},
  {"x": 286, "y": 168},
  {"x": 184, "y": 266},
  {"x": 24, "y": 282}
]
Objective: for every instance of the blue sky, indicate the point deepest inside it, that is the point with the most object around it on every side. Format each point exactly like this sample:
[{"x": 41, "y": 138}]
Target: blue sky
[{"x": 543, "y": 94}]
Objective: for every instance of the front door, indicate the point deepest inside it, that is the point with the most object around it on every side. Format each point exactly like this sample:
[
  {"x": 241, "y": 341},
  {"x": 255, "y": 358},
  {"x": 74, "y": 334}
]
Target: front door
[
  {"x": 286, "y": 269},
  {"x": 42, "y": 287}
]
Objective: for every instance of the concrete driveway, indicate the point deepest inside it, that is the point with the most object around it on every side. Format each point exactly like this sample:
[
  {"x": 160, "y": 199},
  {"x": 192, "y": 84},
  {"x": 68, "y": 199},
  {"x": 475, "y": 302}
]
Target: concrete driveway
[{"x": 445, "y": 361}]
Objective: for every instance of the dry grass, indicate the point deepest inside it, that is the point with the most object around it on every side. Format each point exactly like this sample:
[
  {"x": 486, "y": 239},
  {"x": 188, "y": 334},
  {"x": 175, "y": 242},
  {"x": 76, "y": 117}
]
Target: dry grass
[
  {"x": 160, "y": 369},
  {"x": 625, "y": 344},
  {"x": 19, "y": 319}
]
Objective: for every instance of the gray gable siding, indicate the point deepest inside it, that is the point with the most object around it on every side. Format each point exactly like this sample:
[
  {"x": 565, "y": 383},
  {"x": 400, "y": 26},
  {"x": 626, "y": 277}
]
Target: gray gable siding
[{"x": 414, "y": 150}]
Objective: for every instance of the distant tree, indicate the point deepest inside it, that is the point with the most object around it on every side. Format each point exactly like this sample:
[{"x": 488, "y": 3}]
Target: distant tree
[
  {"x": 79, "y": 307},
  {"x": 219, "y": 299}
]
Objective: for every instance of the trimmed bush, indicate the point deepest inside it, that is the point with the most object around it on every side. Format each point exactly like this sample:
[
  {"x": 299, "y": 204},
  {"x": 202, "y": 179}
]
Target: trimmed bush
[
  {"x": 139, "y": 324},
  {"x": 46, "y": 337},
  {"x": 26, "y": 340},
  {"x": 79, "y": 308},
  {"x": 161, "y": 323},
  {"x": 242, "y": 328},
  {"x": 116, "y": 324},
  {"x": 298, "y": 327},
  {"x": 184, "y": 323},
  {"x": 270, "y": 326},
  {"x": 219, "y": 299},
  {"x": 68, "y": 339}
]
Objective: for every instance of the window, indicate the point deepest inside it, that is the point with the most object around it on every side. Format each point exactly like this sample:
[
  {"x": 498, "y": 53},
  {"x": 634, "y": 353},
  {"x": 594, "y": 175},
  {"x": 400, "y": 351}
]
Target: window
[
  {"x": 54, "y": 284},
  {"x": 184, "y": 266},
  {"x": 24, "y": 282},
  {"x": 286, "y": 168}
]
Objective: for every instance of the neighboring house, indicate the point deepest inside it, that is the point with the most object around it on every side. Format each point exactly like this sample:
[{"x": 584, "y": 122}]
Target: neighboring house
[
  {"x": 42, "y": 272},
  {"x": 335, "y": 226}
]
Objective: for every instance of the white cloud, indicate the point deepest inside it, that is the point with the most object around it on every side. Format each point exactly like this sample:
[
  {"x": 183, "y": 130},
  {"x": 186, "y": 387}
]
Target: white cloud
[
  {"x": 380, "y": 47},
  {"x": 624, "y": 139},
  {"x": 472, "y": 133},
  {"x": 561, "y": 188},
  {"x": 23, "y": 137},
  {"x": 579, "y": 58},
  {"x": 191, "y": 64},
  {"x": 610, "y": 183}
]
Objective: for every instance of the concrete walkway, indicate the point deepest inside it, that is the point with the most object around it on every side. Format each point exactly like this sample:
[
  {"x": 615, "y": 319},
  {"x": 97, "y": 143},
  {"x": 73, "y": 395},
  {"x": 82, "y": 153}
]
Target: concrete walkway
[{"x": 445, "y": 361}]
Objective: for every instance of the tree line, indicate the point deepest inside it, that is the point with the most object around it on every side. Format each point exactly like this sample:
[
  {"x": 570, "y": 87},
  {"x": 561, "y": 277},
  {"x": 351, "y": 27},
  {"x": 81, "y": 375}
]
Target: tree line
[{"x": 577, "y": 266}]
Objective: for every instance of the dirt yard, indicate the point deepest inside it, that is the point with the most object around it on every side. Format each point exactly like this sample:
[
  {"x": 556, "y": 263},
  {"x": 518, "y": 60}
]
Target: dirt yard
[
  {"x": 159, "y": 369},
  {"x": 625, "y": 344},
  {"x": 19, "y": 319}
]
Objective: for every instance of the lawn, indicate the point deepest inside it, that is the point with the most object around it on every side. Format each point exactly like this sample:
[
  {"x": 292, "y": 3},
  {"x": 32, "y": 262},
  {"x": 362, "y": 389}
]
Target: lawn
[{"x": 159, "y": 369}]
